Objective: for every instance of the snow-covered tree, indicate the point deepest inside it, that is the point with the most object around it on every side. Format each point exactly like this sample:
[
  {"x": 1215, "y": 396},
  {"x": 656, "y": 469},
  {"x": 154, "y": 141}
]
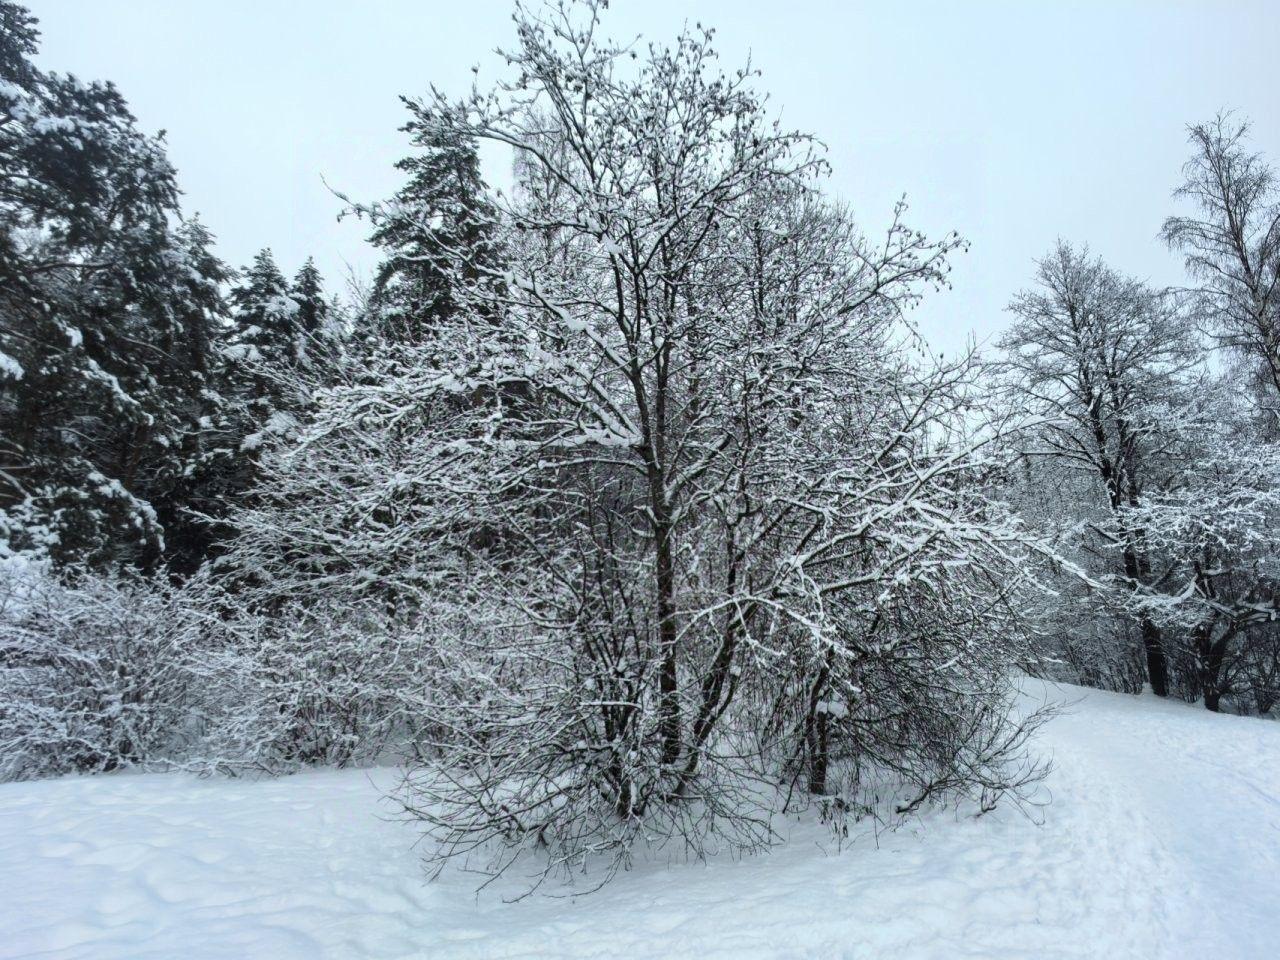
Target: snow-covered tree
[
  {"x": 1154, "y": 480},
  {"x": 307, "y": 291},
  {"x": 686, "y": 523},
  {"x": 1084, "y": 633},
  {"x": 1211, "y": 527},
  {"x": 106, "y": 325},
  {"x": 441, "y": 211},
  {"x": 267, "y": 332},
  {"x": 1100, "y": 357},
  {"x": 1232, "y": 246},
  {"x": 266, "y": 344}
]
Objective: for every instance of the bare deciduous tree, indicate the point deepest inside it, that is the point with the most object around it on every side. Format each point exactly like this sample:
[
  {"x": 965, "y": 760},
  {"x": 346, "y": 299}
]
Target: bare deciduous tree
[
  {"x": 703, "y": 529},
  {"x": 1232, "y": 246},
  {"x": 1098, "y": 354}
]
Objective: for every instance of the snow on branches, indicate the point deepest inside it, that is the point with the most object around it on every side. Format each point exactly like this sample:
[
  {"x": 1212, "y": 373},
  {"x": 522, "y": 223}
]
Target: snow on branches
[{"x": 662, "y": 479}]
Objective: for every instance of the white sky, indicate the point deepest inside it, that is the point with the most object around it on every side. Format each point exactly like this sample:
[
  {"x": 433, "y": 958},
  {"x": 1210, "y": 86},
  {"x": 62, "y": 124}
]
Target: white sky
[{"x": 1012, "y": 122}]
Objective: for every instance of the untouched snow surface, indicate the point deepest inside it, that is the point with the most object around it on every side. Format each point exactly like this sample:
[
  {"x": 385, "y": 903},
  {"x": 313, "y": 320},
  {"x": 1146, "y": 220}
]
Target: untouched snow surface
[{"x": 1162, "y": 840}]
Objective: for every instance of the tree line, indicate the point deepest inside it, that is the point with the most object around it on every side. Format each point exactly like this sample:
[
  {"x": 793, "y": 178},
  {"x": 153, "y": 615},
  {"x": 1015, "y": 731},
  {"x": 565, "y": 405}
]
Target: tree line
[
  {"x": 130, "y": 386},
  {"x": 1156, "y": 473}
]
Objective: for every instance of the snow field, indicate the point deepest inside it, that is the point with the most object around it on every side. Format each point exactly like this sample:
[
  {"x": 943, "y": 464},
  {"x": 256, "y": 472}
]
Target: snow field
[{"x": 1161, "y": 840}]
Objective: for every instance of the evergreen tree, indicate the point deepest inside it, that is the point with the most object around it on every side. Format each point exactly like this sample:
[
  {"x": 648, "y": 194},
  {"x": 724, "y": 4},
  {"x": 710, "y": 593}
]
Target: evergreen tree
[
  {"x": 18, "y": 42},
  {"x": 196, "y": 347},
  {"x": 265, "y": 317},
  {"x": 107, "y": 316},
  {"x": 436, "y": 233},
  {"x": 307, "y": 291},
  {"x": 276, "y": 348},
  {"x": 267, "y": 337}
]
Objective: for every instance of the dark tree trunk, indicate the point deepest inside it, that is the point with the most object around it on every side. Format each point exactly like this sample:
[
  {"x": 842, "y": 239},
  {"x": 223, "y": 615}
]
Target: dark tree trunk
[
  {"x": 668, "y": 681},
  {"x": 818, "y": 756},
  {"x": 1157, "y": 665},
  {"x": 1212, "y": 658},
  {"x": 817, "y": 734}
]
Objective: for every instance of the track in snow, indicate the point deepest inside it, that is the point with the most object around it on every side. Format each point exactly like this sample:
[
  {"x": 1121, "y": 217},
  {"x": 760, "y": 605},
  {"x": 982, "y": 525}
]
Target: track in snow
[{"x": 1162, "y": 840}]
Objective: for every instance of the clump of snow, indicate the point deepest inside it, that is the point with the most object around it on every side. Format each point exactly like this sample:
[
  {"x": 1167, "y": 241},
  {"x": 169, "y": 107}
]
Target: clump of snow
[
  {"x": 242, "y": 351},
  {"x": 278, "y": 424},
  {"x": 54, "y": 125},
  {"x": 1161, "y": 840},
  {"x": 282, "y": 306},
  {"x": 9, "y": 367}
]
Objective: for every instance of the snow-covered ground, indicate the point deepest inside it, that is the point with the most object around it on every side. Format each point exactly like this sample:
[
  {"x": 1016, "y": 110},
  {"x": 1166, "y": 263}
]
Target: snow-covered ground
[{"x": 1162, "y": 840}]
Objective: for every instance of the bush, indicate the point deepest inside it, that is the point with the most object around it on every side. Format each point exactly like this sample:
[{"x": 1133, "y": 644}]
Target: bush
[
  {"x": 326, "y": 683},
  {"x": 93, "y": 673}
]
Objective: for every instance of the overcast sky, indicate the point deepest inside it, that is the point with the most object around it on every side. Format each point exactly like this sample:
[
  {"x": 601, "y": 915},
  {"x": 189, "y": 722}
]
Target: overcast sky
[{"x": 1013, "y": 123}]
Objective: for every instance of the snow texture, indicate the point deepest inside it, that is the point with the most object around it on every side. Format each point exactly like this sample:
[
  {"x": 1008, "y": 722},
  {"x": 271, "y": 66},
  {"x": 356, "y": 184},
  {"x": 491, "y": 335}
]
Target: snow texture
[
  {"x": 1162, "y": 840},
  {"x": 9, "y": 367}
]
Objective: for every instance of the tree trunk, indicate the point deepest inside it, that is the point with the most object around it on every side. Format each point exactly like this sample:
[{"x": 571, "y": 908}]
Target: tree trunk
[
  {"x": 668, "y": 681},
  {"x": 1213, "y": 657},
  {"x": 817, "y": 734},
  {"x": 818, "y": 758},
  {"x": 1157, "y": 665}
]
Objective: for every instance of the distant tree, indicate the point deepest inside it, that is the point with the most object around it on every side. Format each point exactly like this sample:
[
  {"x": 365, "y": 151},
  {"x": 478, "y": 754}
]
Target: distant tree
[
  {"x": 1100, "y": 356},
  {"x": 1211, "y": 525},
  {"x": 1232, "y": 247},
  {"x": 196, "y": 346},
  {"x": 266, "y": 322},
  {"x": 280, "y": 340},
  {"x": 307, "y": 291},
  {"x": 436, "y": 233}
]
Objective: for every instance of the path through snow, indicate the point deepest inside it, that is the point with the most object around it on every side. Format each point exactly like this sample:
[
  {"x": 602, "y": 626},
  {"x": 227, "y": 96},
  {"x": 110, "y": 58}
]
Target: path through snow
[{"x": 1162, "y": 841}]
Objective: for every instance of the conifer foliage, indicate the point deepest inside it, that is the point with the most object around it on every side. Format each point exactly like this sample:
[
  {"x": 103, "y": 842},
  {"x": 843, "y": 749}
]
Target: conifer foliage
[
  {"x": 108, "y": 317},
  {"x": 436, "y": 233},
  {"x": 134, "y": 378}
]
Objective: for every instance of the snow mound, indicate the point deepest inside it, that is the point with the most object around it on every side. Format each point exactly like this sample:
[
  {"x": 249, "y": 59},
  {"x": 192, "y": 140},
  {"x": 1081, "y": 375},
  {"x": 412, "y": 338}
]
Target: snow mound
[{"x": 1162, "y": 840}]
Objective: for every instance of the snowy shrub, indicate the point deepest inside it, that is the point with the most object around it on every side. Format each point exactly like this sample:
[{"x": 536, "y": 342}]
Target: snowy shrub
[
  {"x": 1260, "y": 667},
  {"x": 1099, "y": 651},
  {"x": 98, "y": 674},
  {"x": 907, "y": 712},
  {"x": 93, "y": 673},
  {"x": 332, "y": 684}
]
